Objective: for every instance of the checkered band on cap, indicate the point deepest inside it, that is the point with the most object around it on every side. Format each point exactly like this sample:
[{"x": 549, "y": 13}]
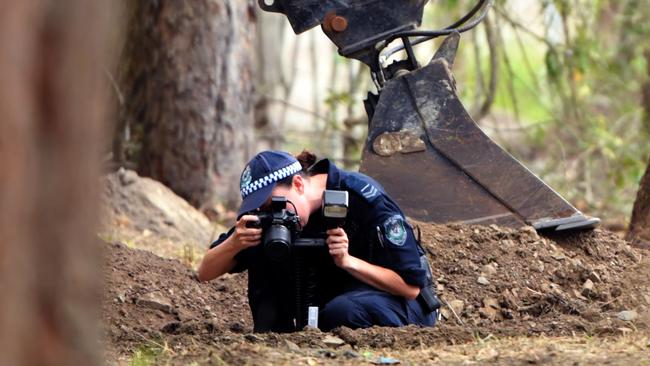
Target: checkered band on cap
[{"x": 273, "y": 177}]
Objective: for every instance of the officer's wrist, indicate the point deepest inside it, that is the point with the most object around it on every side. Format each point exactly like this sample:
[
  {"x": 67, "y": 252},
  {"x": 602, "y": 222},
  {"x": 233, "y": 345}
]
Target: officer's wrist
[
  {"x": 350, "y": 263},
  {"x": 232, "y": 245}
]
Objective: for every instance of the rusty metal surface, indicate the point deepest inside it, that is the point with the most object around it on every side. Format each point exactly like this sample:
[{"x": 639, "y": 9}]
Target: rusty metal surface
[
  {"x": 355, "y": 26},
  {"x": 404, "y": 141},
  {"x": 447, "y": 50},
  {"x": 463, "y": 175},
  {"x": 428, "y": 188},
  {"x": 454, "y": 134}
]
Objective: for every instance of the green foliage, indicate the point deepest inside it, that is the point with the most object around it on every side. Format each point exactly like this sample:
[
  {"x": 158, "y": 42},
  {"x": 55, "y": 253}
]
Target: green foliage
[
  {"x": 553, "y": 65},
  {"x": 586, "y": 118},
  {"x": 146, "y": 356},
  {"x": 152, "y": 352},
  {"x": 336, "y": 99}
]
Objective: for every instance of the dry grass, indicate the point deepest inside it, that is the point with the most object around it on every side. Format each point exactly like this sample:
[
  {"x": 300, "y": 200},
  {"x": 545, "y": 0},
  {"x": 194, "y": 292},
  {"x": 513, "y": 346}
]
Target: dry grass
[
  {"x": 629, "y": 350},
  {"x": 632, "y": 349},
  {"x": 188, "y": 253}
]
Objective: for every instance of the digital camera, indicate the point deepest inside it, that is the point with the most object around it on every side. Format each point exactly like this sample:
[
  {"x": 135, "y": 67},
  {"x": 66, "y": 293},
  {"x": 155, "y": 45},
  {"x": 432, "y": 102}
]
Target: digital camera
[{"x": 282, "y": 228}]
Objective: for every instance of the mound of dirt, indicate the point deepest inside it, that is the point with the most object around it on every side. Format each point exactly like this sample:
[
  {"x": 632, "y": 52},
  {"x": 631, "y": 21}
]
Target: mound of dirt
[
  {"x": 492, "y": 281},
  {"x": 514, "y": 282},
  {"x": 146, "y": 296},
  {"x": 148, "y": 215}
]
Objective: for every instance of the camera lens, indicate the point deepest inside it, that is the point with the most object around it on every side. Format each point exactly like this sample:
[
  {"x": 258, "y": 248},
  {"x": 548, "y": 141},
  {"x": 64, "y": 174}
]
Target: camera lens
[{"x": 277, "y": 242}]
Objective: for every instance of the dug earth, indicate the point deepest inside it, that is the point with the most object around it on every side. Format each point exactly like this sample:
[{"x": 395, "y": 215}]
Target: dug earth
[
  {"x": 494, "y": 282},
  {"x": 509, "y": 297}
]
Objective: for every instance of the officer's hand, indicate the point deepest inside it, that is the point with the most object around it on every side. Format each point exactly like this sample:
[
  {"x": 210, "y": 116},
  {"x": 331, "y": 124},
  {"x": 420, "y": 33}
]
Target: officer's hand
[
  {"x": 246, "y": 237},
  {"x": 337, "y": 241}
]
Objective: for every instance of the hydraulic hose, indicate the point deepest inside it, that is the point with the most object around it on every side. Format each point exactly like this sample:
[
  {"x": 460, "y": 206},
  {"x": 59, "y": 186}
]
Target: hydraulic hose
[{"x": 457, "y": 27}]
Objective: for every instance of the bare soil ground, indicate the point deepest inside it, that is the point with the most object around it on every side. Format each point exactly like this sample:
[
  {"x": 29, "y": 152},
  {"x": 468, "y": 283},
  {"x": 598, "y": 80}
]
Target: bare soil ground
[{"x": 510, "y": 297}]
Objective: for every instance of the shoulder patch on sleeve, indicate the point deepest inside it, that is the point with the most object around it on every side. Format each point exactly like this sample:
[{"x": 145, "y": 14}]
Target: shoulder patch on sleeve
[
  {"x": 394, "y": 230},
  {"x": 364, "y": 187},
  {"x": 369, "y": 191}
]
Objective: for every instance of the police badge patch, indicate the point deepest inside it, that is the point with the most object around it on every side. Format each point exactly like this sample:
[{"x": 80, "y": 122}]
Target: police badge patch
[
  {"x": 394, "y": 230},
  {"x": 245, "y": 177}
]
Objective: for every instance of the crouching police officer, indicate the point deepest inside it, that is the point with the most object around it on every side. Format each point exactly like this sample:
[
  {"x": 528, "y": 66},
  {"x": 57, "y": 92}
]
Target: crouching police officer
[{"x": 377, "y": 274}]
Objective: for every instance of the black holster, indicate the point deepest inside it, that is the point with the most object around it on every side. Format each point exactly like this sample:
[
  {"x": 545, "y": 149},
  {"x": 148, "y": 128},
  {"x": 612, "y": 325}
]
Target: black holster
[{"x": 427, "y": 297}]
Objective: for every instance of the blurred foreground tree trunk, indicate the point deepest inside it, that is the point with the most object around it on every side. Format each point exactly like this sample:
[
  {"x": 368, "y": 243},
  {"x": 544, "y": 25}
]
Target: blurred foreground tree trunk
[
  {"x": 187, "y": 80},
  {"x": 51, "y": 103}
]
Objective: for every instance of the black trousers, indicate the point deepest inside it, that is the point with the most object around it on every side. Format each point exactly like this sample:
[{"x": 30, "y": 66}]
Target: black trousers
[{"x": 364, "y": 307}]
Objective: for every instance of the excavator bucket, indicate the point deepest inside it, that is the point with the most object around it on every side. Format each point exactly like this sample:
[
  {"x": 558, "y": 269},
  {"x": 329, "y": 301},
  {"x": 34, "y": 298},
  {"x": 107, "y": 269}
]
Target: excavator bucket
[
  {"x": 439, "y": 166},
  {"x": 422, "y": 145}
]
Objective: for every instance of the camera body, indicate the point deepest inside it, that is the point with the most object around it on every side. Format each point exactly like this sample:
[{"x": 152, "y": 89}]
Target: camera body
[{"x": 282, "y": 228}]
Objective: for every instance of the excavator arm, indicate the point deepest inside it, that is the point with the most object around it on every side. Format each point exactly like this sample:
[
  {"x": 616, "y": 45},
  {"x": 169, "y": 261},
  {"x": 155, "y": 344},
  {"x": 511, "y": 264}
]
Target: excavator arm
[
  {"x": 357, "y": 27},
  {"x": 422, "y": 145}
]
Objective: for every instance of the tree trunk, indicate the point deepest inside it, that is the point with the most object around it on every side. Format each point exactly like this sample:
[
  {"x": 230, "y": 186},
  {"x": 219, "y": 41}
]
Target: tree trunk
[
  {"x": 188, "y": 87},
  {"x": 645, "y": 91},
  {"x": 51, "y": 103},
  {"x": 269, "y": 77},
  {"x": 639, "y": 232}
]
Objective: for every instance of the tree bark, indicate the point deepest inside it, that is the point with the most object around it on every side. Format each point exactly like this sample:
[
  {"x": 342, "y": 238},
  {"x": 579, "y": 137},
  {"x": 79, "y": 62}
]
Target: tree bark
[
  {"x": 51, "y": 103},
  {"x": 269, "y": 77},
  {"x": 188, "y": 86},
  {"x": 646, "y": 97},
  {"x": 639, "y": 232}
]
